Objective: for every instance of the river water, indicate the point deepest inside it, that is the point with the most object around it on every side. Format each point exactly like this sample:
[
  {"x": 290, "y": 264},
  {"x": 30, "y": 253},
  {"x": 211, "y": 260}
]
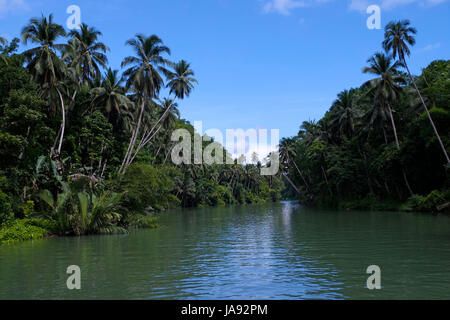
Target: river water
[{"x": 271, "y": 251}]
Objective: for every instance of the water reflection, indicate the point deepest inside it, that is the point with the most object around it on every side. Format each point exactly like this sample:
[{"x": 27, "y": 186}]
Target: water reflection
[{"x": 273, "y": 251}]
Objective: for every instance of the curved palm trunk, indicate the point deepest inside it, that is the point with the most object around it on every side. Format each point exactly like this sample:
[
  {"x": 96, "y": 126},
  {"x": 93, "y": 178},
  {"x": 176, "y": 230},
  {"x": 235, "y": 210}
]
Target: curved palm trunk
[
  {"x": 132, "y": 140},
  {"x": 291, "y": 183},
  {"x": 63, "y": 124},
  {"x": 428, "y": 113},
  {"x": 301, "y": 175},
  {"x": 147, "y": 137},
  {"x": 398, "y": 148}
]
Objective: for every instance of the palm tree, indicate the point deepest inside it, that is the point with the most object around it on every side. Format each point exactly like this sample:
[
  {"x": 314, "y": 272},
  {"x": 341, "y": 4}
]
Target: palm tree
[
  {"x": 48, "y": 70},
  {"x": 181, "y": 83},
  {"x": 3, "y": 41},
  {"x": 43, "y": 62},
  {"x": 397, "y": 38},
  {"x": 86, "y": 52},
  {"x": 344, "y": 114},
  {"x": 386, "y": 89},
  {"x": 288, "y": 154},
  {"x": 111, "y": 95},
  {"x": 143, "y": 77}
]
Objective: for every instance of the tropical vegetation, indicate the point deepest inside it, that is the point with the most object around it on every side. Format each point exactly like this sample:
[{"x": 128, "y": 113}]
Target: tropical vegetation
[
  {"x": 85, "y": 149},
  {"x": 383, "y": 145}
]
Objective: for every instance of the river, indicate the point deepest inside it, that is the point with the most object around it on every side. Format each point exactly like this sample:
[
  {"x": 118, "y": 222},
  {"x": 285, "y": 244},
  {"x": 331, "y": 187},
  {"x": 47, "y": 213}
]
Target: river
[{"x": 270, "y": 251}]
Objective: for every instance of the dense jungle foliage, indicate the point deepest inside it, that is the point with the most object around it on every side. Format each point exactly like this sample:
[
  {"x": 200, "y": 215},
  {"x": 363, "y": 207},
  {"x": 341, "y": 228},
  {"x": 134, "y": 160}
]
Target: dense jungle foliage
[
  {"x": 85, "y": 149},
  {"x": 383, "y": 145}
]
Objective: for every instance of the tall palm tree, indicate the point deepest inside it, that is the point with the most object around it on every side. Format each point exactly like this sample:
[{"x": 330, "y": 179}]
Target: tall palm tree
[
  {"x": 181, "y": 83},
  {"x": 43, "y": 61},
  {"x": 344, "y": 114},
  {"x": 86, "y": 52},
  {"x": 397, "y": 38},
  {"x": 143, "y": 76},
  {"x": 3, "y": 41},
  {"x": 47, "y": 68},
  {"x": 386, "y": 88}
]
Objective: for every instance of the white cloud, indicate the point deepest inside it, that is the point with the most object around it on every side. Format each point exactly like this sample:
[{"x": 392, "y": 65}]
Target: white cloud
[
  {"x": 7, "y": 6},
  {"x": 431, "y": 47},
  {"x": 286, "y": 6},
  {"x": 361, "y": 5}
]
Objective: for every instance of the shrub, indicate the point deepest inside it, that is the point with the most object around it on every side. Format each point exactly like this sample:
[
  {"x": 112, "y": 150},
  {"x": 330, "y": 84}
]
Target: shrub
[
  {"x": 5, "y": 208},
  {"x": 25, "y": 229},
  {"x": 429, "y": 202},
  {"x": 147, "y": 188},
  {"x": 142, "y": 221}
]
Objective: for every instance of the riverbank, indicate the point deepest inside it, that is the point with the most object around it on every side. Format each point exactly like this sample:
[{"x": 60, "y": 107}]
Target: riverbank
[{"x": 434, "y": 202}]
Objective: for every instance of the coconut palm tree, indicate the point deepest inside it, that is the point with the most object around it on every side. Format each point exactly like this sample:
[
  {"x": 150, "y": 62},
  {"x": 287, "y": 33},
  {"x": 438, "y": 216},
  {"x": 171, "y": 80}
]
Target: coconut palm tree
[
  {"x": 143, "y": 76},
  {"x": 181, "y": 83},
  {"x": 344, "y": 114},
  {"x": 86, "y": 52},
  {"x": 111, "y": 96},
  {"x": 287, "y": 156},
  {"x": 386, "y": 88},
  {"x": 47, "y": 68},
  {"x": 397, "y": 38},
  {"x": 43, "y": 61}
]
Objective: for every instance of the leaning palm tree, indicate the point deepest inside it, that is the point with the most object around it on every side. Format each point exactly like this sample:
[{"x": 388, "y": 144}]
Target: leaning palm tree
[
  {"x": 386, "y": 88},
  {"x": 287, "y": 156},
  {"x": 181, "y": 83},
  {"x": 143, "y": 76},
  {"x": 44, "y": 64},
  {"x": 86, "y": 52},
  {"x": 397, "y": 38}
]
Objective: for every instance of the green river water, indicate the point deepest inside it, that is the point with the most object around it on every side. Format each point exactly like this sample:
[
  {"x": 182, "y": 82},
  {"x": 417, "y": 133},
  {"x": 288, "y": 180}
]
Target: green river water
[{"x": 271, "y": 251}]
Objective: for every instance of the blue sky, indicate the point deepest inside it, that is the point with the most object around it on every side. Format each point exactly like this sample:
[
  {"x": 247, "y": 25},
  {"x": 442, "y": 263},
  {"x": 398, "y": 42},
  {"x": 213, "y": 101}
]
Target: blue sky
[{"x": 260, "y": 63}]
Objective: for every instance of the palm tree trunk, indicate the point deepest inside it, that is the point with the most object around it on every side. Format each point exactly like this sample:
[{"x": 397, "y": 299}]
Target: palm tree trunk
[
  {"x": 291, "y": 183},
  {"x": 398, "y": 148},
  {"x": 132, "y": 140},
  {"x": 63, "y": 124},
  {"x": 301, "y": 175},
  {"x": 393, "y": 126},
  {"x": 167, "y": 156},
  {"x": 326, "y": 180},
  {"x": 428, "y": 113}
]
